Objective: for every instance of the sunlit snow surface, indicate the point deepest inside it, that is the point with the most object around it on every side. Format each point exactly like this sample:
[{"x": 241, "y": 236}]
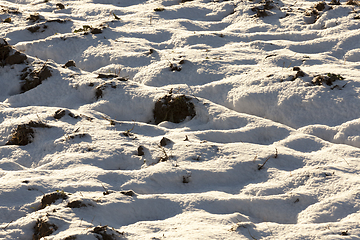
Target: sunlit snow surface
[{"x": 237, "y": 67}]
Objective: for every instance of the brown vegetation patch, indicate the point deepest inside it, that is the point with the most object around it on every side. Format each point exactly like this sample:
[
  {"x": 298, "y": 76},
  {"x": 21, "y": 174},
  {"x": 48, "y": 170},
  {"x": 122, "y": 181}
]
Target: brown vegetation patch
[
  {"x": 24, "y": 133},
  {"x": 106, "y": 233},
  {"x": 43, "y": 229},
  {"x": 173, "y": 108},
  {"x": 50, "y": 198},
  {"x": 33, "y": 78},
  {"x": 76, "y": 204},
  {"x": 5, "y": 54}
]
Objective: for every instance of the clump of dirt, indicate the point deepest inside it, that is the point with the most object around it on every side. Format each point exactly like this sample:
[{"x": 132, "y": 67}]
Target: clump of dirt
[
  {"x": 106, "y": 233},
  {"x": 70, "y": 63},
  {"x": 261, "y": 9},
  {"x": 50, "y": 198},
  {"x": 174, "y": 67},
  {"x": 43, "y": 229},
  {"x": 100, "y": 88},
  {"x": 328, "y": 79},
  {"x": 60, "y": 6},
  {"x": 77, "y": 135},
  {"x": 72, "y": 237},
  {"x": 299, "y": 73},
  {"x": 102, "y": 75},
  {"x": 33, "y": 78},
  {"x": 76, "y": 204},
  {"x": 335, "y": 2},
  {"x": 313, "y": 14},
  {"x": 128, "y": 193},
  {"x": 165, "y": 141},
  {"x": 140, "y": 151},
  {"x": 37, "y": 28},
  {"x": 61, "y": 113},
  {"x": 24, "y": 133},
  {"x": 86, "y": 29},
  {"x": 174, "y": 108},
  {"x": 8, "y": 55},
  {"x": 34, "y": 17},
  {"x": 187, "y": 178},
  {"x": 5, "y": 9},
  {"x": 353, "y": 3}
]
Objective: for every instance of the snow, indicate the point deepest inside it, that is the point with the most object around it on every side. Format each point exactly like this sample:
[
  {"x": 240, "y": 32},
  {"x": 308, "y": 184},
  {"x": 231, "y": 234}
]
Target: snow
[{"x": 269, "y": 154}]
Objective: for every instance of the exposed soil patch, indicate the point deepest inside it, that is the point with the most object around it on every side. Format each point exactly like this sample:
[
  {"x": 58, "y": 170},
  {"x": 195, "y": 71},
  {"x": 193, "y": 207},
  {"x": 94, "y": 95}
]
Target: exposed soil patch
[
  {"x": 37, "y": 28},
  {"x": 106, "y": 233},
  {"x": 299, "y": 73},
  {"x": 60, "y": 6},
  {"x": 165, "y": 141},
  {"x": 313, "y": 14},
  {"x": 173, "y": 108},
  {"x": 70, "y": 63},
  {"x": 24, "y": 133},
  {"x": 62, "y": 112},
  {"x": 43, "y": 229},
  {"x": 33, "y": 78},
  {"x": 140, "y": 151},
  {"x": 34, "y": 17},
  {"x": 5, "y": 9},
  {"x": 76, "y": 204},
  {"x": 8, "y": 55},
  {"x": 50, "y": 198},
  {"x": 328, "y": 79},
  {"x": 128, "y": 193},
  {"x": 86, "y": 29},
  {"x": 261, "y": 10}
]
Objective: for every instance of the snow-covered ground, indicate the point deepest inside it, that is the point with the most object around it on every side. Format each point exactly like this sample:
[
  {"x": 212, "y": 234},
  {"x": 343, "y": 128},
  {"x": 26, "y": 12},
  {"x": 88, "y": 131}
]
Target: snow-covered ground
[{"x": 267, "y": 148}]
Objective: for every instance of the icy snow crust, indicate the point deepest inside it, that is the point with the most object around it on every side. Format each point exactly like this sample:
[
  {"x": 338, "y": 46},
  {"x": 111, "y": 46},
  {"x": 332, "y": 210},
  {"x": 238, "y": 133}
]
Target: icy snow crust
[{"x": 205, "y": 183}]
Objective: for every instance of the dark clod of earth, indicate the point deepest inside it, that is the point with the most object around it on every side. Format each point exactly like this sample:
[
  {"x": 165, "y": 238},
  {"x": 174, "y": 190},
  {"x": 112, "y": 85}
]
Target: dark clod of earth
[
  {"x": 106, "y": 233},
  {"x": 328, "y": 79},
  {"x": 173, "y": 108},
  {"x": 34, "y": 17},
  {"x": 50, "y": 198},
  {"x": 70, "y": 238},
  {"x": 96, "y": 31},
  {"x": 299, "y": 73},
  {"x": 6, "y": 57},
  {"x": 128, "y": 193},
  {"x": 59, "y": 113},
  {"x": 70, "y": 63},
  {"x": 320, "y": 6},
  {"x": 60, "y": 6},
  {"x": 76, "y": 204},
  {"x": 101, "y": 75},
  {"x": 186, "y": 179},
  {"x": 174, "y": 67},
  {"x": 43, "y": 229},
  {"x": 165, "y": 141},
  {"x": 24, "y": 133},
  {"x": 140, "y": 151},
  {"x": 32, "y": 79}
]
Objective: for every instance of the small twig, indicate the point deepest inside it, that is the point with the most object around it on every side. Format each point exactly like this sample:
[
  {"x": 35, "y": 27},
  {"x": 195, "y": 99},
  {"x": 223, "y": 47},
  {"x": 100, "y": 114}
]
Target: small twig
[
  {"x": 262, "y": 165},
  {"x": 346, "y": 161},
  {"x": 8, "y": 224}
]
